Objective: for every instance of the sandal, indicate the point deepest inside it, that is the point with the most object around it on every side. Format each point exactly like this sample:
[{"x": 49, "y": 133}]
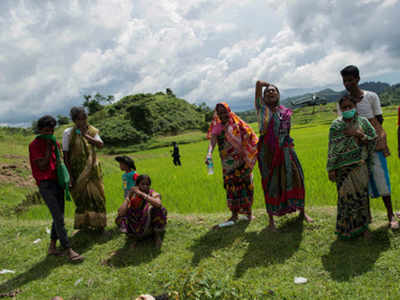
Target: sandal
[
  {"x": 76, "y": 257},
  {"x": 394, "y": 225}
]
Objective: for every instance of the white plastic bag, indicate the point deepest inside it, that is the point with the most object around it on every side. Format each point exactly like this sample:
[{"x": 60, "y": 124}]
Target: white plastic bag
[{"x": 300, "y": 280}]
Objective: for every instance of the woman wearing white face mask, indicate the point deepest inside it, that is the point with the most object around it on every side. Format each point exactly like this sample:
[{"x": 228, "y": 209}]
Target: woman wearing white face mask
[{"x": 352, "y": 141}]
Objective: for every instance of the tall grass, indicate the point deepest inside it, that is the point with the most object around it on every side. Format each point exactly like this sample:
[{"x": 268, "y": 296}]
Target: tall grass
[{"x": 189, "y": 189}]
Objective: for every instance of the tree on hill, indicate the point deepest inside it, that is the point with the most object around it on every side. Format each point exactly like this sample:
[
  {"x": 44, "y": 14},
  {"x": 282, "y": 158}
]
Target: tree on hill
[
  {"x": 94, "y": 103},
  {"x": 169, "y": 92},
  {"x": 62, "y": 120}
]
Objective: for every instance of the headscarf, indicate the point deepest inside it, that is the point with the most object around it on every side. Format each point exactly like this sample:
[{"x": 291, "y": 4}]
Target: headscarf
[
  {"x": 237, "y": 133},
  {"x": 343, "y": 150}
]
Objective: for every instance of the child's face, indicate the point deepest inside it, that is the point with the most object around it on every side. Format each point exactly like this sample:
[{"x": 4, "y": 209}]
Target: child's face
[{"x": 144, "y": 186}]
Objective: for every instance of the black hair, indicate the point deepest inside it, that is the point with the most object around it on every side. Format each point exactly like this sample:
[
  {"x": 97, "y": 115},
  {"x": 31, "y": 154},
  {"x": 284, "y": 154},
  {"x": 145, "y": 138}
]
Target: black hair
[
  {"x": 76, "y": 111},
  {"x": 143, "y": 177},
  {"x": 347, "y": 97},
  {"x": 127, "y": 161},
  {"x": 46, "y": 121},
  {"x": 350, "y": 71}
]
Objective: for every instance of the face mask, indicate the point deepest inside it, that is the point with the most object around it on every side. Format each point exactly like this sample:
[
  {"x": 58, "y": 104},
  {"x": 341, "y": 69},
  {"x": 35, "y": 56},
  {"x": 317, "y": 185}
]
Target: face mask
[{"x": 348, "y": 114}]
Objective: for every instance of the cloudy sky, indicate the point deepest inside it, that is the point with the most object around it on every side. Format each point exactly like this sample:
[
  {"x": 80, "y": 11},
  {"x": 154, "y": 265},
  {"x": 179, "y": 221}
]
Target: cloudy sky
[{"x": 54, "y": 52}]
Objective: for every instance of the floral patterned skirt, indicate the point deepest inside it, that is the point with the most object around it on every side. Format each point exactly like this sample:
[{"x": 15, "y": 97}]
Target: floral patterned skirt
[{"x": 353, "y": 211}]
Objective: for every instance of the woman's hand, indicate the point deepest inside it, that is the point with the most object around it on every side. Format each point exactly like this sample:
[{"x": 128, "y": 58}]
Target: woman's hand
[
  {"x": 356, "y": 132},
  {"x": 332, "y": 175},
  {"x": 135, "y": 189}
]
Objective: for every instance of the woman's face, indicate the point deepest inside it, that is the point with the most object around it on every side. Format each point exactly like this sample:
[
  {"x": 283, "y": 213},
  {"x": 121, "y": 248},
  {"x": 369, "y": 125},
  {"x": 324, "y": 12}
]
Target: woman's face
[
  {"x": 271, "y": 95},
  {"x": 144, "y": 186},
  {"x": 223, "y": 114},
  {"x": 346, "y": 104},
  {"x": 81, "y": 120}
]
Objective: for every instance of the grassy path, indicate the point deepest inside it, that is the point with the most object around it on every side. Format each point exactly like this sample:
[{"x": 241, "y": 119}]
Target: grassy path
[{"x": 240, "y": 262}]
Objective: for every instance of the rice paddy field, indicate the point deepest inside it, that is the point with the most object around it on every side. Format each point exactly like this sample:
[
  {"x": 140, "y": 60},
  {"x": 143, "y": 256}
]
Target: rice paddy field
[
  {"x": 245, "y": 261},
  {"x": 189, "y": 189}
]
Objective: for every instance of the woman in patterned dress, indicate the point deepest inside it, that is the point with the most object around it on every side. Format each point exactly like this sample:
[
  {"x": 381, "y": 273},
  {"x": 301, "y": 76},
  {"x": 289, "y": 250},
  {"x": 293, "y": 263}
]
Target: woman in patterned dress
[
  {"x": 352, "y": 141},
  {"x": 237, "y": 145},
  {"x": 143, "y": 212},
  {"x": 281, "y": 172}
]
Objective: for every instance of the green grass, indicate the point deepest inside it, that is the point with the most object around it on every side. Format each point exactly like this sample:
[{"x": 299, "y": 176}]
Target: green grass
[
  {"x": 188, "y": 189},
  {"x": 250, "y": 262},
  {"x": 245, "y": 260}
]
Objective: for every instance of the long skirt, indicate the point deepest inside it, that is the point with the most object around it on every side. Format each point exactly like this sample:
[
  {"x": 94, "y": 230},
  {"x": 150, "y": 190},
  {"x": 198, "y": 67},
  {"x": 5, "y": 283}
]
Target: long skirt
[
  {"x": 282, "y": 179},
  {"x": 353, "y": 211},
  {"x": 145, "y": 221},
  {"x": 239, "y": 190},
  {"x": 379, "y": 181},
  {"x": 90, "y": 209}
]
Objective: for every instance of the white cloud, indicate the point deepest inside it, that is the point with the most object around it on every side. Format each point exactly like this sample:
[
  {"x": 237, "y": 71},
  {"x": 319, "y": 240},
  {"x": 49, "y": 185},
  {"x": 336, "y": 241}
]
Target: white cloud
[{"x": 204, "y": 50}]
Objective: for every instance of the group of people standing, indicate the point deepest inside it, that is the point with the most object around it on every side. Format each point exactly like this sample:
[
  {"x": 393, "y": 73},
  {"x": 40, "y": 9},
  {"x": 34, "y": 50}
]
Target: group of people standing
[
  {"x": 356, "y": 163},
  {"x": 240, "y": 148},
  {"x": 76, "y": 163},
  {"x": 356, "y": 157}
]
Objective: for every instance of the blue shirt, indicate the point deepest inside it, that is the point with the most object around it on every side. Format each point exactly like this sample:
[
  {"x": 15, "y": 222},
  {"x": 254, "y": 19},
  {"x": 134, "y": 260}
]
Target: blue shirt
[{"x": 128, "y": 181}]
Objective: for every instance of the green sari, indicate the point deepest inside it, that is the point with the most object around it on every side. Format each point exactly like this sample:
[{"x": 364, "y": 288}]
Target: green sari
[
  {"x": 350, "y": 159},
  {"x": 88, "y": 188}
]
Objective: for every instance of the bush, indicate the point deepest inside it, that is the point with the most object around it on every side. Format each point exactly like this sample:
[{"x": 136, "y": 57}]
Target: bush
[
  {"x": 62, "y": 120},
  {"x": 116, "y": 132}
]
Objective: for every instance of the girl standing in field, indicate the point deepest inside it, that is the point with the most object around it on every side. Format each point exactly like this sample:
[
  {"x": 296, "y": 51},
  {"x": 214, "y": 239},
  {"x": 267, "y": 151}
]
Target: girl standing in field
[
  {"x": 281, "y": 172},
  {"x": 144, "y": 212},
  {"x": 127, "y": 165},
  {"x": 237, "y": 145},
  {"x": 352, "y": 141},
  {"x": 79, "y": 146}
]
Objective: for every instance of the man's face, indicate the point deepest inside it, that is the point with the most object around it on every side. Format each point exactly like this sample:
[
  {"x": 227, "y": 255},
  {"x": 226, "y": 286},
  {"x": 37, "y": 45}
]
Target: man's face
[{"x": 350, "y": 82}]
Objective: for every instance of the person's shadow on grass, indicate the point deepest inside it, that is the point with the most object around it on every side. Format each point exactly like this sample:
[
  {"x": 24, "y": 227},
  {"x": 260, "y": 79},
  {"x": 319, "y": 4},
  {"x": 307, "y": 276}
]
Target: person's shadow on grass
[
  {"x": 268, "y": 247},
  {"x": 216, "y": 239},
  {"x": 144, "y": 251},
  {"x": 81, "y": 242},
  {"x": 347, "y": 259}
]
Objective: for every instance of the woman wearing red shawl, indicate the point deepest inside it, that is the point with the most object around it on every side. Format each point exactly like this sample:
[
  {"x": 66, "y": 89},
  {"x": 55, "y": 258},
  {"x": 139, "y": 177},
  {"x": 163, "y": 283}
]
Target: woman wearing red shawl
[
  {"x": 281, "y": 172},
  {"x": 237, "y": 145}
]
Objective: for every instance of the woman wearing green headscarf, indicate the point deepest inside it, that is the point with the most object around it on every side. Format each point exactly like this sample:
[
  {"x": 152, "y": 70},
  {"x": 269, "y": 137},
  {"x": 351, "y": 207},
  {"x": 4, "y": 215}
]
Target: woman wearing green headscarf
[
  {"x": 79, "y": 146},
  {"x": 352, "y": 142}
]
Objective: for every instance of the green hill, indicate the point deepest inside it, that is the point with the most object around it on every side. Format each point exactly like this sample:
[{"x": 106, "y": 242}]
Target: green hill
[{"x": 137, "y": 118}]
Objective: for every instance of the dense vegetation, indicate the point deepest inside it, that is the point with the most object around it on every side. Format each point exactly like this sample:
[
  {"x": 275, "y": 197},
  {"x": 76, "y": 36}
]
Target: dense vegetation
[{"x": 136, "y": 118}]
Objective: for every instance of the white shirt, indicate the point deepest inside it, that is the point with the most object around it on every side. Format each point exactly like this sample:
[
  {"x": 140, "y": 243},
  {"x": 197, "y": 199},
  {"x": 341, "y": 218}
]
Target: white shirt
[
  {"x": 67, "y": 135},
  {"x": 368, "y": 107}
]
